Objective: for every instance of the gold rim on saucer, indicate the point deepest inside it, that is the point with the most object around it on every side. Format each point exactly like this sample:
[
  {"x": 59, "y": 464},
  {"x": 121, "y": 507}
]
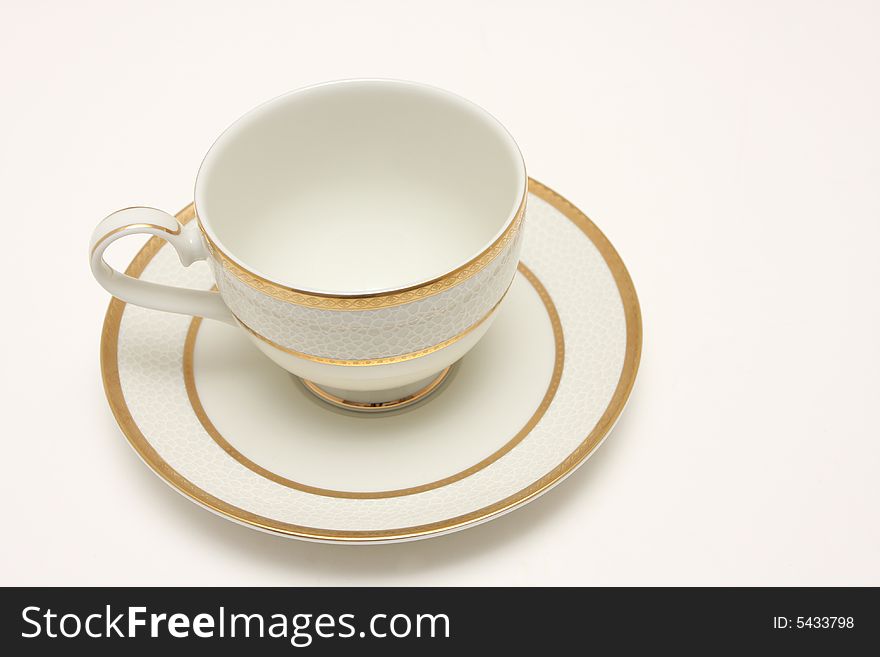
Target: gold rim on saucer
[{"x": 626, "y": 380}]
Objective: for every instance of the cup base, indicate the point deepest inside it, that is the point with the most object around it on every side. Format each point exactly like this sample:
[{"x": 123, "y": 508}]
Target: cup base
[{"x": 391, "y": 400}]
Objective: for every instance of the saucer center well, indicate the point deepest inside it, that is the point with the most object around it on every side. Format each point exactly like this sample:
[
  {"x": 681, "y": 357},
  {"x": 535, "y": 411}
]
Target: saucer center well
[{"x": 265, "y": 419}]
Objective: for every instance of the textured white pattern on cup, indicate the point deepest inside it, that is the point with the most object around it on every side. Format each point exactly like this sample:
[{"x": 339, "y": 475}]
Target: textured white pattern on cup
[
  {"x": 379, "y": 333},
  {"x": 591, "y": 311}
]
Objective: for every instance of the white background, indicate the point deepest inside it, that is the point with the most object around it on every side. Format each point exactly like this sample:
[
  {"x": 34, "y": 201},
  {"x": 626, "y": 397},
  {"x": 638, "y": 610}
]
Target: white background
[{"x": 731, "y": 152}]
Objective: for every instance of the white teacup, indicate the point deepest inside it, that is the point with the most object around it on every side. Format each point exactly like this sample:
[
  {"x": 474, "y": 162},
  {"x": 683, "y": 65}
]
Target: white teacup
[{"x": 362, "y": 233}]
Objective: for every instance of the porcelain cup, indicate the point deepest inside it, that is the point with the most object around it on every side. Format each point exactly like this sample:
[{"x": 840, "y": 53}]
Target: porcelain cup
[{"x": 362, "y": 234}]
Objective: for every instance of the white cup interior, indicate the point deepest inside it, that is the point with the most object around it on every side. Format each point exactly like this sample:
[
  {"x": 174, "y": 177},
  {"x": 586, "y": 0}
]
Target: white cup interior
[{"x": 360, "y": 186}]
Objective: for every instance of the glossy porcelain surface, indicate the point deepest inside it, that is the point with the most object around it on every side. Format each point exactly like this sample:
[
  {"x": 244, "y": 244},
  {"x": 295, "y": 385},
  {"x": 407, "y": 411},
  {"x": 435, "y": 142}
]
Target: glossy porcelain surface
[
  {"x": 517, "y": 415},
  {"x": 359, "y": 187},
  {"x": 363, "y": 233}
]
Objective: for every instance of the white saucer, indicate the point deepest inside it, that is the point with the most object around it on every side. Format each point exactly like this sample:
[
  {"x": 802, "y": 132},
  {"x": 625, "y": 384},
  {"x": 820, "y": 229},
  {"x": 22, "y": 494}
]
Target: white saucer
[{"x": 235, "y": 433}]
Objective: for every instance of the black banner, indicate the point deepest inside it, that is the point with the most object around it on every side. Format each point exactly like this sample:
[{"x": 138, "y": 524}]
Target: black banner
[{"x": 435, "y": 621}]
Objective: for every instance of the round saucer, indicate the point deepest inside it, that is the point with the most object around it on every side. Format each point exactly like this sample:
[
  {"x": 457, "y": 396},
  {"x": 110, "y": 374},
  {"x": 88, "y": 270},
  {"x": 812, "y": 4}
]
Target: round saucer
[{"x": 240, "y": 436}]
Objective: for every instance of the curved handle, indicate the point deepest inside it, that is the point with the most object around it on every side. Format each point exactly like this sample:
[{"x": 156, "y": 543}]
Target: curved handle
[{"x": 186, "y": 240}]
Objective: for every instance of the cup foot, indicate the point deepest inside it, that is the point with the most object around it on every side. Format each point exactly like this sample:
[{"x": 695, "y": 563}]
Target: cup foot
[{"x": 399, "y": 398}]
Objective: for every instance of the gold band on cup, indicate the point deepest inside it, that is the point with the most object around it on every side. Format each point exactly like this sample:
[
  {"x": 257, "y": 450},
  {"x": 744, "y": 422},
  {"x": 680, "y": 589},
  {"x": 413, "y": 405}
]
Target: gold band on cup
[
  {"x": 376, "y": 407},
  {"x": 370, "y": 301},
  {"x": 386, "y": 360}
]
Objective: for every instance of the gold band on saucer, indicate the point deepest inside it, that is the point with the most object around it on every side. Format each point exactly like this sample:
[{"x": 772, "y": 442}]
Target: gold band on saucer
[
  {"x": 189, "y": 379},
  {"x": 149, "y": 454},
  {"x": 370, "y": 301}
]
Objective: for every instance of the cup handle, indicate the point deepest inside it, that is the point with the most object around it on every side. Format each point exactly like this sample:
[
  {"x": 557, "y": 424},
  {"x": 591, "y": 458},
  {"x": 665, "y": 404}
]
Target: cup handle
[{"x": 185, "y": 239}]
